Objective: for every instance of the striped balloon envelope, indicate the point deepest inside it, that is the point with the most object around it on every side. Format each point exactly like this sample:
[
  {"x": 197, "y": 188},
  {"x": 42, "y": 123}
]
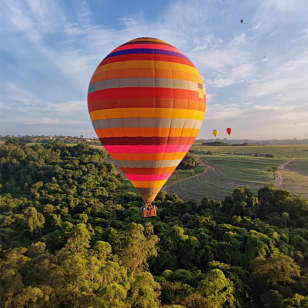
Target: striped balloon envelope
[{"x": 147, "y": 102}]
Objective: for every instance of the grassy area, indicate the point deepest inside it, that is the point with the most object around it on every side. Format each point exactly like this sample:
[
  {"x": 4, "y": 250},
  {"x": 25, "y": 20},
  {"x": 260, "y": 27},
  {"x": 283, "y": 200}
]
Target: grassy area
[
  {"x": 238, "y": 166},
  {"x": 295, "y": 183},
  {"x": 230, "y": 172},
  {"x": 298, "y": 151},
  {"x": 180, "y": 174},
  {"x": 235, "y": 166},
  {"x": 300, "y": 166}
]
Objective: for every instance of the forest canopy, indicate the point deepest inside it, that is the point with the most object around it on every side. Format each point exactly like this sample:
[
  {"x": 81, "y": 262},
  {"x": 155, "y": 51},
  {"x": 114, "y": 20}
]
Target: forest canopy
[{"x": 72, "y": 235}]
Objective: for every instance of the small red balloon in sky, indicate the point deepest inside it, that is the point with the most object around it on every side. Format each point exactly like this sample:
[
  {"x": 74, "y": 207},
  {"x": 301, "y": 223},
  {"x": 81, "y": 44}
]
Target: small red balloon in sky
[{"x": 229, "y": 131}]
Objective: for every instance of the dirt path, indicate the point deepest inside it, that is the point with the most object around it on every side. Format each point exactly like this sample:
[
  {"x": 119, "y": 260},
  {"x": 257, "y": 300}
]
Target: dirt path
[
  {"x": 202, "y": 163},
  {"x": 278, "y": 173}
]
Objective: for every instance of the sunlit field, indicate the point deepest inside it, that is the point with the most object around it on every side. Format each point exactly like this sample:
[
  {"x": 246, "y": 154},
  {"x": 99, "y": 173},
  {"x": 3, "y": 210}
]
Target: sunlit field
[{"x": 240, "y": 166}]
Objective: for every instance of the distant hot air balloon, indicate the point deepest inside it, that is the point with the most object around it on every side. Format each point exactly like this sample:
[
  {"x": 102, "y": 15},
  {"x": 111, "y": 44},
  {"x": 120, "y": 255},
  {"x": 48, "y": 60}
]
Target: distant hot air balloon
[
  {"x": 229, "y": 131},
  {"x": 215, "y": 132},
  {"x": 147, "y": 102},
  {"x": 242, "y": 21}
]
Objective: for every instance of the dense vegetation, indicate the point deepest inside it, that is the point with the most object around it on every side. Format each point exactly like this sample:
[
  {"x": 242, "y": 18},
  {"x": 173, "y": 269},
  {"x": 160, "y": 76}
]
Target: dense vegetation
[
  {"x": 72, "y": 236},
  {"x": 190, "y": 161}
]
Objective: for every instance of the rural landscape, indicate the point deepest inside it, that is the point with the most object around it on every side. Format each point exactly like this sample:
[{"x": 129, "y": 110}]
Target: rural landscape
[
  {"x": 72, "y": 234},
  {"x": 223, "y": 168},
  {"x": 153, "y": 154}
]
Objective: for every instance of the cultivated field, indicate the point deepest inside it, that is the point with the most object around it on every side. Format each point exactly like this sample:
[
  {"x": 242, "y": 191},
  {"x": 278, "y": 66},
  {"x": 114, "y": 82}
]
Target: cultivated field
[{"x": 233, "y": 166}]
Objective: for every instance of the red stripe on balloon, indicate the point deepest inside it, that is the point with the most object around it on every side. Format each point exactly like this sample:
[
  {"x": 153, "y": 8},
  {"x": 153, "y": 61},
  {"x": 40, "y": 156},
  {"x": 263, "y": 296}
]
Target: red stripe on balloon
[
  {"x": 154, "y": 57},
  {"x": 154, "y": 41},
  {"x": 149, "y": 46},
  {"x": 166, "y": 148},
  {"x": 100, "y": 104},
  {"x": 141, "y": 92}
]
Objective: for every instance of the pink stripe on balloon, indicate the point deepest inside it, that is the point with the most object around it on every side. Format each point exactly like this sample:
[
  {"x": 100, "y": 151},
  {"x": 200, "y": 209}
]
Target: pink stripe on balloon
[
  {"x": 148, "y": 177},
  {"x": 166, "y": 148},
  {"x": 147, "y": 46}
]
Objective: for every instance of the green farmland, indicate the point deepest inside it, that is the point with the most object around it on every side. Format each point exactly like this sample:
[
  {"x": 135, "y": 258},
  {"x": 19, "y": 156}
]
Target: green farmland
[{"x": 233, "y": 166}]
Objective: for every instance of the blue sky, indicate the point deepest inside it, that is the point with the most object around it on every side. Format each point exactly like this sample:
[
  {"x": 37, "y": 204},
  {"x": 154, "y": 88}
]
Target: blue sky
[{"x": 256, "y": 72}]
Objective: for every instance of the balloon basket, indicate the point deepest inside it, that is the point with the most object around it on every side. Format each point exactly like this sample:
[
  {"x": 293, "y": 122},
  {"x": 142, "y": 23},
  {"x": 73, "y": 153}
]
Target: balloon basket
[{"x": 149, "y": 210}]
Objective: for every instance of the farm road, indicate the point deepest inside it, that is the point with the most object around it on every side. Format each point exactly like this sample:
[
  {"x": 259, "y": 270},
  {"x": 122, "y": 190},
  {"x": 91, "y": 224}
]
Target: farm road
[
  {"x": 202, "y": 163},
  {"x": 279, "y": 173}
]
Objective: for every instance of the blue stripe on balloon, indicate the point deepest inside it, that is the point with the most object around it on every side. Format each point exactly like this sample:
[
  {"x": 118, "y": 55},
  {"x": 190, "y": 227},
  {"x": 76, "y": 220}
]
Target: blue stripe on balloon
[{"x": 145, "y": 50}]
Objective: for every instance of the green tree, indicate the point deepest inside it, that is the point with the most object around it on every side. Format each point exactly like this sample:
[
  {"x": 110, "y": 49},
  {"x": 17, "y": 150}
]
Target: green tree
[
  {"x": 34, "y": 219},
  {"x": 297, "y": 301},
  {"x": 138, "y": 248},
  {"x": 217, "y": 289},
  {"x": 277, "y": 269},
  {"x": 272, "y": 298}
]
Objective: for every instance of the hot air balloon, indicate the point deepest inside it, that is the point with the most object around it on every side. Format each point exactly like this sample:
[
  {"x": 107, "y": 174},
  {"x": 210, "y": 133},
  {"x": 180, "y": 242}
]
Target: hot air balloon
[
  {"x": 215, "y": 132},
  {"x": 229, "y": 131},
  {"x": 147, "y": 102}
]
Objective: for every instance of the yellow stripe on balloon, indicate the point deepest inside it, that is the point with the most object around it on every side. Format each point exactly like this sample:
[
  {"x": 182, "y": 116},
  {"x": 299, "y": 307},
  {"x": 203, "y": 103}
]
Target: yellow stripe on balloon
[
  {"x": 148, "y": 184},
  {"x": 146, "y": 113},
  {"x": 147, "y": 73}
]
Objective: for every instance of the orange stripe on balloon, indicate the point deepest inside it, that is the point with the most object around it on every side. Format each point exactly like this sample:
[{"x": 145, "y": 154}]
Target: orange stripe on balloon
[
  {"x": 161, "y": 170},
  {"x": 148, "y": 64},
  {"x": 145, "y": 72},
  {"x": 146, "y": 113}
]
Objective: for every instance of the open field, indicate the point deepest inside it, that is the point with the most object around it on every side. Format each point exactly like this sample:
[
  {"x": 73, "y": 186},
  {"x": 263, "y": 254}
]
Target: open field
[
  {"x": 243, "y": 165},
  {"x": 300, "y": 166},
  {"x": 295, "y": 182},
  {"x": 279, "y": 151}
]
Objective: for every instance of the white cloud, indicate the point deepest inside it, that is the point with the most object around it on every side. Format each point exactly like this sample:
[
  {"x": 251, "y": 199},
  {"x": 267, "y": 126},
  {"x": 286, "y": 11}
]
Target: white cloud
[
  {"x": 210, "y": 97},
  {"x": 43, "y": 121},
  {"x": 289, "y": 79},
  {"x": 236, "y": 75},
  {"x": 47, "y": 16},
  {"x": 273, "y": 108},
  {"x": 49, "y": 121},
  {"x": 68, "y": 107},
  {"x": 17, "y": 93},
  {"x": 283, "y": 5},
  {"x": 220, "y": 112},
  {"x": 22, "y": 22}
]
